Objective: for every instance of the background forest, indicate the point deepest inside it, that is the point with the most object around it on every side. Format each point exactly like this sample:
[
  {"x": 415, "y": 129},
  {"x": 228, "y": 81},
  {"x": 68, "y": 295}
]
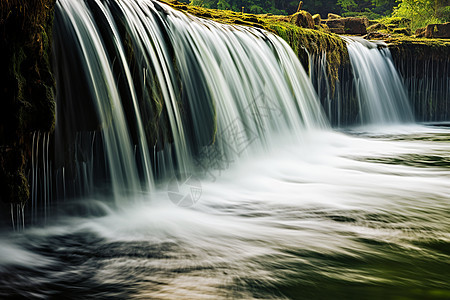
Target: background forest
[{"x": 421, "y": 12}]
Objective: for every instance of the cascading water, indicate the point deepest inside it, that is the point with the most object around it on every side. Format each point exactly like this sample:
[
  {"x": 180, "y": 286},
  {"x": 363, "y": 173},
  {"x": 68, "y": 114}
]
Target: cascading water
[
  {"x": 379, "y": 89},
  {"x": 170, "y": 85},
  {"x": 145, "y": 92}
]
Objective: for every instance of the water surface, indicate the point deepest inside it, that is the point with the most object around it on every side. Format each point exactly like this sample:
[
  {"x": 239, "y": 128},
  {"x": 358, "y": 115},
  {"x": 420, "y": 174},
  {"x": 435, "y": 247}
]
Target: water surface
[{"x": 356, "y": 214}]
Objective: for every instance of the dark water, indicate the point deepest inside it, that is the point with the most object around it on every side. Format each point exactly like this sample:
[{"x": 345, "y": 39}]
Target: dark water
[{"x": 357, "y": 215}]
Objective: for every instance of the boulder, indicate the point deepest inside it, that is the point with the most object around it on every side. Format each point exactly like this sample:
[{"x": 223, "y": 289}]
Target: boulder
[
  {"x": 302, "y": 19},
  {"x": 317, "y": 19},
  {"x": 440, "y": 31},
  {"x": 333, "y": 16},
  {"x": 356, "y": 26},
  {"x": 420, "y": 32}
]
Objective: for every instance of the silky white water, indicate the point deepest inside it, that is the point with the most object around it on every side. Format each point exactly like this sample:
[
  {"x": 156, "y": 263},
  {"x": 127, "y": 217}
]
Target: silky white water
[
  {"x": 379, "y": 88},
  {"x": 172, "y": 87},
  {"x": 358, "y": 214}
]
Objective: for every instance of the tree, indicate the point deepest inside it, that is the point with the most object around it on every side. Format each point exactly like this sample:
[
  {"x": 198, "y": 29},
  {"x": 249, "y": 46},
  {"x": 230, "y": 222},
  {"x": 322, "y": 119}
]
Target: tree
[{"x": 423, "y": 12}]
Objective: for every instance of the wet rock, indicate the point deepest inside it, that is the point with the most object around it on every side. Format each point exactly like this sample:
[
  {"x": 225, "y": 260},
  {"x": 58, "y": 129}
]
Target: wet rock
[{"x": 441, "y": 31}]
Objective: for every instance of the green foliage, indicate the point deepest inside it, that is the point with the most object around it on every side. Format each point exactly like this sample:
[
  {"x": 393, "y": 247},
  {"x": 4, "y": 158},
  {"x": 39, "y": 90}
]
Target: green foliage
[
  {"x": 347, "y": 5},
  {"x": 367, "y": 13},
  {"x": 423, "y": 12},
  {"x": 368, "y": 8}
]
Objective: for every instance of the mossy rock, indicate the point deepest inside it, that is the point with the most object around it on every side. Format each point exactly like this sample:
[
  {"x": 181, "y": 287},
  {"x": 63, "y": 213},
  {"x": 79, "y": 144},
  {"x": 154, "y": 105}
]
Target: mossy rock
[
  {"x": 404, "y": 31},
  {"x": 376, "y": 27},
  {"x": 419, "y": 48},
  {"x": 396, "y": 22},
  {"x": 302, "y": 19}
]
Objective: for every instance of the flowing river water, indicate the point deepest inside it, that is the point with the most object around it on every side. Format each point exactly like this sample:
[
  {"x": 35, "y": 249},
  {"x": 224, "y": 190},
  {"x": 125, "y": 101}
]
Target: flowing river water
[{"x": 356, "y": 214}]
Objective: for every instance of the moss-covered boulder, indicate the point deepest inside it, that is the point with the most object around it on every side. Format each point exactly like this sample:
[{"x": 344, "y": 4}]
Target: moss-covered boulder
[{"x": 302, "y": 19}]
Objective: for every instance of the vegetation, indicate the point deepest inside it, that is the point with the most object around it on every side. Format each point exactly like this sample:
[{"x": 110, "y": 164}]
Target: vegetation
[
  {"x": 370, "y": 8},
  {"x": 423, "y": 12}
]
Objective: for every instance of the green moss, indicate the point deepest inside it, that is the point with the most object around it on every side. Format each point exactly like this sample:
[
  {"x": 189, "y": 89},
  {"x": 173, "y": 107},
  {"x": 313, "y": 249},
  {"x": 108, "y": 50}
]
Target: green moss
[
  {"x": 404, "y": 31},
  {"x": 419, "y": 48},
  {"x": 395, "y": 22}
]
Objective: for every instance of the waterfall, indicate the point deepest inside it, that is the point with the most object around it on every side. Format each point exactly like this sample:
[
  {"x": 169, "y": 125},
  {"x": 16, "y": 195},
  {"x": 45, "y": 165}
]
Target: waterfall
[
  {"x": 152, "y": 90},
  {"x": 379, "y": 89}
]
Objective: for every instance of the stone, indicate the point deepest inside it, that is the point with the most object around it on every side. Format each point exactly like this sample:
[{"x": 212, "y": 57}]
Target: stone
[
  {"x": 440, "y": 31},
  {"x": 317, "y": 19},
  {"x": 356, "y": 26},
  {"x": 303, "y": 19},
  {"x": 332, "y": 16}
]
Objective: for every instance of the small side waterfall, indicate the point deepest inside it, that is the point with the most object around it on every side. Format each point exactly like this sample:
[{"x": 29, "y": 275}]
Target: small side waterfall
[
  {"x": 379, "y": 89},
  {"x": 144, "y": 91}
]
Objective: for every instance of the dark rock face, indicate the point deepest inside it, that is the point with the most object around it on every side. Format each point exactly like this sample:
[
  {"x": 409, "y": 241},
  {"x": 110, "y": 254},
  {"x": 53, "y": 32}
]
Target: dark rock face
[
  {"x": 303, "y": 19},
  {"x": 440, "y": 31},
  {"x": 27, "y": 88},
  {"x": 355, "y": 26}
]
